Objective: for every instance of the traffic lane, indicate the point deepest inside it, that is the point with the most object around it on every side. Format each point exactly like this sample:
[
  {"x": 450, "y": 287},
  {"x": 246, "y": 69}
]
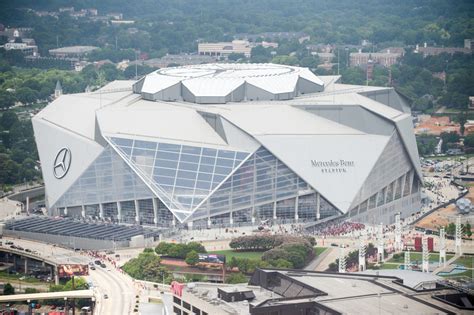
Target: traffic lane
[
  {"x": 102, "y": 286},
  {"x": 58, "y": 254},
  {"x": 120, "y": 293},
  {"x": 117, "y": 286}
]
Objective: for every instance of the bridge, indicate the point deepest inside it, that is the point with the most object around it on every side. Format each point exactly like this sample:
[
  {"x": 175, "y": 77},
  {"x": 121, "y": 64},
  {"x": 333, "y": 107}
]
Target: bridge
[{"x": 78, "y": 294}]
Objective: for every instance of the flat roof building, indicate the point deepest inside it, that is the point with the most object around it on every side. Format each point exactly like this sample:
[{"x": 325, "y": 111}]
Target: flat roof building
[
  {"x": 230, "y": 144},
  {"x": 224, "y": 49},
  {"x": 386, "y": 58},
  {"x": 71, "y": 51},
  {"x": 289, "y": 292}
]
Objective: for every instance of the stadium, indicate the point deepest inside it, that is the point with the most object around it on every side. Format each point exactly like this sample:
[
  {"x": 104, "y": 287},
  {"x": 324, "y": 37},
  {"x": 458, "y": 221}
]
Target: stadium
[{"x": 227, "y": 145}]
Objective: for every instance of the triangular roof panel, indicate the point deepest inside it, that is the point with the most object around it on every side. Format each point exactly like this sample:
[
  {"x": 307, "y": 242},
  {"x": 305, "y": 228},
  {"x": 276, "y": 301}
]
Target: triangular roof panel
[
  {"x": 335, "y": 166},
  {"x": 182, "y": 176}
]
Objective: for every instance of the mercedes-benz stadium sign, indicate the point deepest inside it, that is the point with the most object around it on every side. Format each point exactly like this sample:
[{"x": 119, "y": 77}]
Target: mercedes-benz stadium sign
[{"x": 62, "y": 163}]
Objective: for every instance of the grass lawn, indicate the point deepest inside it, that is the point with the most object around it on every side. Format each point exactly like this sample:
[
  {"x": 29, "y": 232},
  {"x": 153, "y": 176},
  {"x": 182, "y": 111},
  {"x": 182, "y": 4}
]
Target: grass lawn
[
  {"x": 230, "y": 253},
  {"x": 417, "y": 256},
  {"x": 467, "y": 273},
  {"x": 389, "y": 266},
  {"x": 466, "y": 261},
  {"x": 4, "y": 276},
  {"x": 319, "y": 250}
]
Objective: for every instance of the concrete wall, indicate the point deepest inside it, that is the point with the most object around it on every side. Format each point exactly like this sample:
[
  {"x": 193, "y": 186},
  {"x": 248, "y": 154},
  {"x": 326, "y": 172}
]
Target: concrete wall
[{"x": 386, "y": 213}]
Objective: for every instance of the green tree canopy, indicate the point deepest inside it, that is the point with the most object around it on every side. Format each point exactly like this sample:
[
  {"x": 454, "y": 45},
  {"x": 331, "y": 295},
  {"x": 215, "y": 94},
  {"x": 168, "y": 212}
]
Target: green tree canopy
[
  {"x": 192, "y": 258},
  {"x": 8, "y": 289}
]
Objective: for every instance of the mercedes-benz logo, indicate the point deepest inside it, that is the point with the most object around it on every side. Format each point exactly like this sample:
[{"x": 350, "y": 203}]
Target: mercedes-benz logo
[{"x": 62, "y": 162}]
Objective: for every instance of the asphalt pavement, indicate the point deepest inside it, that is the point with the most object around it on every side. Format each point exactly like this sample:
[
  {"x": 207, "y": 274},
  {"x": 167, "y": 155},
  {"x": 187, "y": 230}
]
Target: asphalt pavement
[{"x": 119, "y": 287}]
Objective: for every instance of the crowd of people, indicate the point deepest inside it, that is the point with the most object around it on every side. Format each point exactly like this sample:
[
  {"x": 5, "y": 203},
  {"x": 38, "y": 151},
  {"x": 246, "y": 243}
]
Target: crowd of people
[{"x": 338, "y": 229}]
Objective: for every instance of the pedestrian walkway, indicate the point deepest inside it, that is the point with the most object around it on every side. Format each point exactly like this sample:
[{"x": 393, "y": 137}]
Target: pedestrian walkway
[{"x": 332, "y": 253}]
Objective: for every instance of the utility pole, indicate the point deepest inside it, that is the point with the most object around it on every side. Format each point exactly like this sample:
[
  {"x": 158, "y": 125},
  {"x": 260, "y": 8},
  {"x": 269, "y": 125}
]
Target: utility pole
[
  {"x": 342, "y": 260},
  {"x": 425, "y": 255},
  {"x": 398, "y": 233},
  {"x": 73, "y": 300},
  {"x": 136, "y": 65},
  {"x": 362, "y": 252},
  {"x": 442, "y": 247},
  {"x": 407, "y": 263},
  {"x": 380, "y": 244},
  {"x": 458, "y": 240}
]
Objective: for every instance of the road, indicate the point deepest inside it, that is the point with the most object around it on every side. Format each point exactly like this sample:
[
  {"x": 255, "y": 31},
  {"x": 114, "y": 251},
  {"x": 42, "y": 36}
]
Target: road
[{"x": 119, "y": 287}]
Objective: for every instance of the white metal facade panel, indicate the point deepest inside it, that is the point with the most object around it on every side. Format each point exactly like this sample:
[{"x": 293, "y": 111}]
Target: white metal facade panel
[
  {"x": 50, "y": 139},
  {"x": 339, "y": 188}
]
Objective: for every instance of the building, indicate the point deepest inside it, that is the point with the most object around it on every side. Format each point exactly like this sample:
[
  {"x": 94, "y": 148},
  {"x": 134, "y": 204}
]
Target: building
[
  {"x": 176, "y": 60},
  {"x": 289, "y": 292},
  {"x": 275, "y": 36},
  {"x": 26, "y": 49},
  {"x": 468, "y": 44},
  {"x": 224, "y": 49},
  {"x": 386, "y": 59},
  {"x": 230, "y": 144},
  {"x": 469, "y": 127},
  {"x": 117, "y": 22},
  {"x": 324, "y": 57},
  {"x": 434, "y": 51},
  {"x": 72, "y": 51},
  {"x": 265, "y": 44},
  {"x": 435, "y": 125}
]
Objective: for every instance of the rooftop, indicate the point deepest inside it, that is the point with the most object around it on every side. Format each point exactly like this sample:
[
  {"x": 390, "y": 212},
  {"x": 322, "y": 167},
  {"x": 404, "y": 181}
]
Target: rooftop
[
  {"x": 73, "y": 50},
  {"x": 349, "y": 293},
  {"x": 222, "y": 83}
]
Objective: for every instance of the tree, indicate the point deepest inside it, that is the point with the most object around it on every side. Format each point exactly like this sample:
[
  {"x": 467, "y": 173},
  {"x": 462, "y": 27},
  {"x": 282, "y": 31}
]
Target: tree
[
  {"x": 236, "y": 277},
  {"x": 31, "y": 290},
  {"x": 285, "y": 60},
  {"x": 450, "y": 229},
  {"x": 110, "y": 72},
  {"x": 448, "y": 138},
  {"x": 282, "y": 263},
  {"x": 7, "y": 100},
  {"x": 163, "y": 248},
  {"x": 309, "y": 62},
  {"x": 26, "y": 95},
  {"x": 235, "y": 56},
  {"x": 192, "y": 258},
  {"x": 469, "y": 140},
  {"x": 462, "y": 118},
  {"x": 145, "y": 267},
  {"x": 467, "y": 229},
  {"x": 198, "y": 247},
  {"x": 79, "y": 284},
  {"x": 8, "y": 289},
  {"x": 129, "y": 72},
  {"x": 8, "y": 120}
]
